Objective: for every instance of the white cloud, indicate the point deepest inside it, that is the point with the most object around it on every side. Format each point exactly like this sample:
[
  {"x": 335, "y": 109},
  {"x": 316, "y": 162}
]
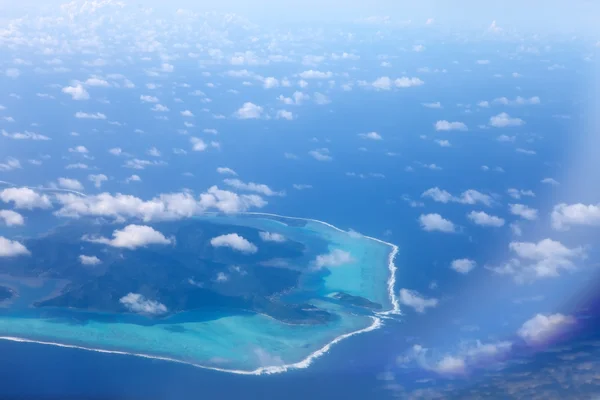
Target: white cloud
[
  {"x": 312, "y": 74},
  {"x": 517, "y": 194},
  {"x": 525, "y": 151},
  {"x": 284, "y": 114},
  {"x": 10, "y": 164},
  {"x": 484, "y": 219},
  {"x": 11, "y": 248},
  {"x": 226, "y": 171},
  {"x": 198, "y": 144},
  {"x": 133, "y": 178},
  {"x": 321, "y": 154},
  {"x": 437, "y": 104},
  {"x": 187, "y": 113},
  {"x": 235, "y": 242},
  {"x": 252, "y": 187},
  {"x": 334, "y": 258},
  {"x": 483, "y": 104},
  {"x": 11, "y": 218},
  {"x": 321, "y": 99},
  {"x": 386, "y": 83},
  {"x": 160, "y": 108},
  {"x": 154, "y": 152},
  {"x": 543, "y": 327},
  {"x": 98, "y": 179},
  {"x": 371, "y": 136},
  {"x": 84, "y": 115},
  {"x": 463, "y": 265},
  {"x": 270, "y": 82},
  {"x": 415, "y": 300},
  {"x": 518, "y": 101},
  {"x": 24, "y": 135},
  {"x": 12, "y": 73},
  {"x": 137, "y": 303},
  {"x": 469, "y": 196},
  {"x": 148, "y": 99},
  {"x": 503, "y": 120},
  {"x": 272, "y": 237},
  {"x": 71, "y": 184},
  {"x": 544, "y": 259},
  {"x": 89, "y": 260},
  {"x": 444, "y": 125},
  {"x": 550, "y": 181},
  {"x": 301, "y": 186},
  {"x": 406, "y": 82},
  {"x": 25, "y": 198},
  {"x": 443, "y": 143},
  {"x": 77, "y": 92},
  {"x": 435, "y": 222},
  {"x": 524, "y": 211},
  {"x": 249, "y": 111},
  {"x": 78, "y": 149},
  {"x": 96, "y": 82},
  {"x": 132, "y": 237},
  {"x": 565, "y": 215}
]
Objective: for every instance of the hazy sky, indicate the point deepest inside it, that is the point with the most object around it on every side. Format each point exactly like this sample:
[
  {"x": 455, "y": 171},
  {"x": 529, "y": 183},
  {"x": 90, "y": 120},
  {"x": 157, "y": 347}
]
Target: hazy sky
[{"x": 529, "y": 15}]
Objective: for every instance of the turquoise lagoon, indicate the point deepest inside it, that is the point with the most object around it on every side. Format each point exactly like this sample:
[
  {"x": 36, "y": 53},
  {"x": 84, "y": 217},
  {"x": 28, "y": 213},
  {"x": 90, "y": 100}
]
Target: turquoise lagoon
[{"x": 245, "y": 343}]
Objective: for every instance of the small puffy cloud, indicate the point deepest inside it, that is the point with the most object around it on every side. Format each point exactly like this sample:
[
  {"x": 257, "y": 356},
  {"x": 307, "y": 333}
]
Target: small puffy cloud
[
  {"x": 334, "y": 258},
  {"x": 252, "y": 187},
  {"x": 444, "y": 125},
  {"x": 198, "y": 144},
  {"x": 523, "y": 211},
  {"x": 484, "y": 219},
  {"x": 443, "y": 143},
  {"x": 11, "y": 218},
  {"x": 235, "y": 242},
  {"x": 25, "y": 198},
  {"x": 386, "y": 83},
  {"x": 98, "y": 179},
  {"x": 544, "y": 259},
  {"x": 416, "y": 301},
  {"x": 132, "y": 237},
  {"x": 154, "y": 152},
  {"x": 10, "y": 164},
  {"x": 370, "y": 136},
  {"x": 71, "y": 184},
  {"x": 312, "y": 74},
  {"x": 301, "y": 186},
  {"x": 24, "y": 135},
  {"x": 543, "y": 327},
  {"x": 272, "y": 237},
  {"x": 11, "y": 248},
  {"x": 77, "y": 92},
  {"x": 133, "y": 178},
  {"x": 435, "y": 222},
  {"x": 160, "y": 108},
  {"x": 566, "y": 215},
  {"x": 550, "y": 181},
  {"x": 78, "y": 149},
  {"x": 89, "y": 260},
  {"x": 187, "y": 113},
  {"x": 518, "y": 101},
  {"x": 284, "y": 114},
  {"x": 226, "y": 171},
  {"x": 321, "y": 154},
  {"x": 249, "y": 111},
  {"x": 503, "y": 120},
  {"x": 137, "y": 303},
  {"x": 437, "y": 104},
  {"x": 148, "y": 99},
  {"x": 321, "y": 99},
  {"x": 84, "y": 115},
  {"x": 469, "y": 196},
  {"x": 463, "y": 265},
  {"x": 93, "y": 81}
]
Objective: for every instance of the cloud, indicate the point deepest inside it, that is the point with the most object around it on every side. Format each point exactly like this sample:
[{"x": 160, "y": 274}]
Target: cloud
[
  {"x": 84, "y": 115},
  {"x": 566, "y": 215},
  {"x": 523, "y": 211},
  {"x": 235, "y": 242},
  {"x": 148, "y": 99},
  {"x": 371, "y": 136},
  {"x": 503, "y": 120},
  {"x": 89, "y": 260},
  {"x": 416, "y": 301},
  {"x": 386, "y": 83},
  {"x": 137, "y": 303},
  {"x": 78, "y": 149},
  {"x": 484, "y": 219},
  {"x": 321, "y": 99},
  {"x": 160, "y": 108},
  {"x": 71, "y": 184},
  {"x": 334, "y": 258},
  {"x": 249, "y": 111},
  {"x": 187, "y": 113},
  {"x": 96, "y": 82},
  {"x": 321, "y": 154},
  {"x": 11, "y": 248},
  {"x": 550, "y": 181},
  {"x": 169, "y": 206},
  {"x": 131, "y": 237},
  {"x": 226, "y": 171},
  {"x": 10, "y": 164},
  {"x": 312, "y": 74},
  {"x": 77, "y": 92},
  {"x": 437, "y": 104},
  {"x": 283, "y": 114},
  {"x": 435, "y": 222},
  {"x": 133, "y": 178},
  {"x": 24, "y": 135},
  {"x": 463, "y": 265},
  {"x": 12, "y": 73},
  {"x": 272, "y": 237},
  {"x": 25, "y": 198},
  {"x": 517, "y": 194},
  {"x": 98, "y": 179},
  {"x": 444, "y": 125},
  {"x": 252, "y": 187},
  {"x": 544, "y": 259},
  {"x": 301, "y": 186},
  {"x": 543, "y": 327},
  {"x": 11, "y": 218},
  {"x": 469, "y": 196},
  {"x": 198, "y": 144},
  {"x": 518, "y": 101},
  {"x": 443, "y": 143}
]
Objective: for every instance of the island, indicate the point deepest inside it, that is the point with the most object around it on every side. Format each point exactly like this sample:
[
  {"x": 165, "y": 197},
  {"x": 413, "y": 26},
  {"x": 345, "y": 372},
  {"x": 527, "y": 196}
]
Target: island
[{"x": 215, "y": 291}]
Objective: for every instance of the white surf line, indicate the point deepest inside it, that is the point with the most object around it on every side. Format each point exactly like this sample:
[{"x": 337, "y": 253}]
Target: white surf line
[
  {"x": 305, "y": 363},
  {"x": 391, "y": 265}
]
